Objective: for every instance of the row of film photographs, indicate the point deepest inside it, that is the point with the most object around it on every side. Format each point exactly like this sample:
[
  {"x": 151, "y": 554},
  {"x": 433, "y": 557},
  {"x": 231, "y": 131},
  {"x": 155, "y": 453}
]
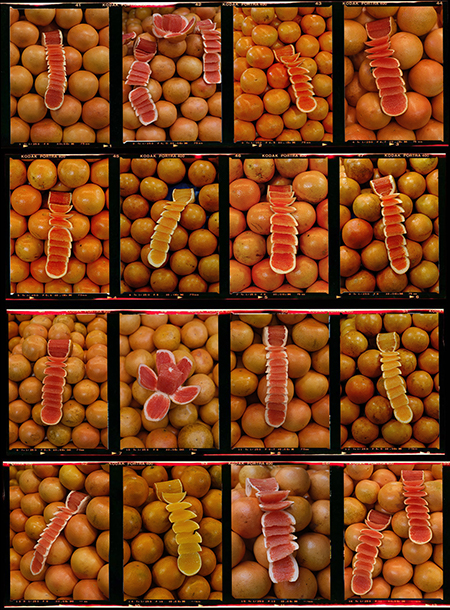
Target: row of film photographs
[
  {"x": 154, "y": 225},
  {"x": 278, "y": 61},
  {"x": 339, "y": 382},
  {"x": 66, "y": 536}
]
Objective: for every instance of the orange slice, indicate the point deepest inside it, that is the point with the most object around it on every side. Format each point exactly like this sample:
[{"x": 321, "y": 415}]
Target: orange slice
[
  {"x": 388, "y": 342},
  {"x": 189, "y": 564},
  {"x": 185, "y": 537},
  {"x": 179, "y": 516},
  {"x": 184, "y": 527},
  {"x": 186, "y": 548},
  {"x": 172, "y": 486}
]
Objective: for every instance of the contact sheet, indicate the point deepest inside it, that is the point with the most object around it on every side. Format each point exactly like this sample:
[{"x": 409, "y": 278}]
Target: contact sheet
[{"x": 226, "y": 321}]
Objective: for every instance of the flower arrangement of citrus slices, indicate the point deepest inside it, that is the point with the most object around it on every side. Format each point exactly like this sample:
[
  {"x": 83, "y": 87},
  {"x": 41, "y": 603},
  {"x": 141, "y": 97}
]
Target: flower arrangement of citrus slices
[
  {"x": 169, "y": 379},
  {"x": 395, "y": 550}
]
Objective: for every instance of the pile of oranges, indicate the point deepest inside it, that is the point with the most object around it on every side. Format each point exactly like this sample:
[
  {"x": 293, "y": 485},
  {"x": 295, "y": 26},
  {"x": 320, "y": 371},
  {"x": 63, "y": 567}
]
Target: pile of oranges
[
  {"x": 191, "y": 426},
  {"x": 403, "y": 569},
  {"x": 264, "y": 101},
  {"x": 150, "y": 550},
  {"x": 417, "y": 41},
  {"x": 364, "y": 259},
  {"x": 307, "y": 415},
  {"x": 77, "y": 566},
  {"x": 250, "y": 214},
  {"x": 367, "y": 418},
  {"x": 146, "y": 186},
  {"x": 309, "y": 486},
  {"x": 31, "y": 181},
  {"x": 84, "y": 115},
  {"x": 188, "y": 108},
  {"x": 84, "y": 422}
]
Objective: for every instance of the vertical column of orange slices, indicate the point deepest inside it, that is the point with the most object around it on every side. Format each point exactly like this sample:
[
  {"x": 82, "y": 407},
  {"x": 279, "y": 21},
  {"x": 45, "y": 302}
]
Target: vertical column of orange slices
[
  {"x": 385, "y": 68},
  {"x": 283, "y": 228},
  {"x": 59, "y": 244},
  {"x": 55, "y": 56},
  {"x": 166, "y": 225},
  {"x": 393, "y": 219},
  {"x": 299, "y": 78},
  {"x": 388, "y": 344},
  {"x": 183, "y": 525},
  {"x": 369, "y": 540},
  {"x": 278, "y": 527},
  {"x": 274, "y": 339},
  {"x": 54, "y": 380},
  {"x": 138, "y": 77},
  {"x": 416, "y": 506},
  {"x": 211, "y": 51}
]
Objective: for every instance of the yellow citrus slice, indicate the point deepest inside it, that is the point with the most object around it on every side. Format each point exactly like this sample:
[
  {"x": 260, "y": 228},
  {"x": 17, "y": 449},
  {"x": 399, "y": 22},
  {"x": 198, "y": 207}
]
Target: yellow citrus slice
[
  {"x": 183, "y": 527},
  {"x": 181, "y": 515}
]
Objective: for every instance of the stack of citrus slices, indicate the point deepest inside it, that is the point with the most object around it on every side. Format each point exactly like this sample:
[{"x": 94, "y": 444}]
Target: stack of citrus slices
[
  {"x": 279, "y": 394},
  {"x": 60, "y": 538},
  {"x": 58, "y": 373}
]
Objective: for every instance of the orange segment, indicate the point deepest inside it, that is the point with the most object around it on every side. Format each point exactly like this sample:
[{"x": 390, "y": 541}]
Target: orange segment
[
  {"x": 182, "y": 195},
  {"x": 404, "y": 414},
  {"x": 181, "y": 515},
  {"x": 188, "y": 548},
  {"x": 172, "y": 486},
  {"x": 156, "y": 258},
  {"x": 388, "y": 342},
  {"x": 189, "y": 564}
]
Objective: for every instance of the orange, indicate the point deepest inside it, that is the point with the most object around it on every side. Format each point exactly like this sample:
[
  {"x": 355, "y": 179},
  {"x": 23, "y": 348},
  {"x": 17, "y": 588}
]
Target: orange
[
  {"x": 89, "y": 199},
  {"x": 26, "y": 200}
]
